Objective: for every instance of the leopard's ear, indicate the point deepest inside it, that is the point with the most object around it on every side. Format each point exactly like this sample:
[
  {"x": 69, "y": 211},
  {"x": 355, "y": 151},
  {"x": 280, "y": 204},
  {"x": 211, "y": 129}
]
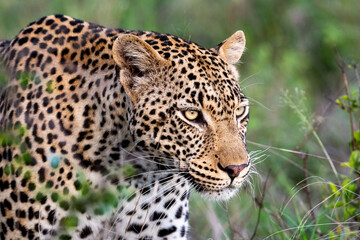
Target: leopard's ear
[
  {"x": 232, "y": 48},
  {"x": 138, "y": 62}
]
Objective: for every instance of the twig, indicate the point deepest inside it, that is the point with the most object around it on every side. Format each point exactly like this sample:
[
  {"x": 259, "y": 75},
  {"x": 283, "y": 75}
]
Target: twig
[
  {"x": 260, "y": 205},
  {"x": 235, "y": 233},
  {"x": 308, "y": 194},
  {"x": 356, "y": 73},
  {"x": 349, "y": 109},
  {"x": 306, "y": 189},
  {"x": 358, "y": 80},
  {"x": 217, "y": 228},
  {"x": 316, "y": 124}
]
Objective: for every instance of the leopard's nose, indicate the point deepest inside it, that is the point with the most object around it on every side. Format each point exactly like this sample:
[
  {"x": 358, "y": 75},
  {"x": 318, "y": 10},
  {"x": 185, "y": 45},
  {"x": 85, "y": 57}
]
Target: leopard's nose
[{"x": 233, "y": 170}]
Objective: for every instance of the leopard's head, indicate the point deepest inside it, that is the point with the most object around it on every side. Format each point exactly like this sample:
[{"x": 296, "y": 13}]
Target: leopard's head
[{"x": 188, "y": 108}]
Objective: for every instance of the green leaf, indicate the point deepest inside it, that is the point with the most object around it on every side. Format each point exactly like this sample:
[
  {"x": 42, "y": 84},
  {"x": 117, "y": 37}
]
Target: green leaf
[
  {"x": 350, "y": 210},
  {"x": 332, "y": 235},
  {"x": 77, "y": 185},
  {"x": 126, "y": 192},
  {"x": 333, "y": 187},
  {"x": 85, "y": 189},
  {"x": 7, "y": 169},
  {"x": 346, "y": 164},
  {"x": 357, "y": 135},
  {"x": 27, "y": 175},
  {"x": 129, "y": 170},
  {"x": 49, "y": 86},
  {"x": 99, "y": 211},
  {"x": 344, "y": 97},
  {"x": 69, "y": 222},
  {"x": 40, "y": 197},
  {"x": 64, "y": 205},
  {"x": 354, "y": 160},
  {"x": 353, "y": 94},
  {"x": 336, "y": 205},
  {"x": 24, "y": 81},
  {"x": 27, "y": 158},
  {"x": 345, "y": 182},
  {"x": 65, "y": 237},
  {"x": 110, "y": 199},
  {"x": 55, "y": 196},
  {"x": 22, "y": 131}
]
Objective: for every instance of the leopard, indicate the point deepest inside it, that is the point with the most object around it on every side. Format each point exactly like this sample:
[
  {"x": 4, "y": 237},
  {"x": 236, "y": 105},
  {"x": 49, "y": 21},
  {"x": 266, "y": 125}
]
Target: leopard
[{"x": 106, "y": 132}]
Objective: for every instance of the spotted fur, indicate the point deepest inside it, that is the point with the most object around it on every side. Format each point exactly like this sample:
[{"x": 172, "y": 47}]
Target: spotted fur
[{"x": 96, "y": 143}]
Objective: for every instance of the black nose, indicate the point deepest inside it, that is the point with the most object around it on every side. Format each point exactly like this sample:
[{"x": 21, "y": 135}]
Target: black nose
[{"x": 233, "y": 170}]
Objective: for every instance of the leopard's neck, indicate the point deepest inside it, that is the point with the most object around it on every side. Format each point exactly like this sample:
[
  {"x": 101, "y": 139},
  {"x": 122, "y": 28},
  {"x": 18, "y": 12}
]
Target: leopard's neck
[{"x": 152, "y": 203}]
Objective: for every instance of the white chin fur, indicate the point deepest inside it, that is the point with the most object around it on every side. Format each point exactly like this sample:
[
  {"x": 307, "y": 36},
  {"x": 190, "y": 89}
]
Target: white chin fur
[{"x": 221, "y": 195}]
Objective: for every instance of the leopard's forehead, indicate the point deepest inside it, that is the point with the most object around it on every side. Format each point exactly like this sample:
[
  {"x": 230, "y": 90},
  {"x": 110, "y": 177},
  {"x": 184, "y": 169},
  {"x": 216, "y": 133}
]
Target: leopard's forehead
[
  {"x": 189, "y": 58},
  {"x": 199, "y": 76}
]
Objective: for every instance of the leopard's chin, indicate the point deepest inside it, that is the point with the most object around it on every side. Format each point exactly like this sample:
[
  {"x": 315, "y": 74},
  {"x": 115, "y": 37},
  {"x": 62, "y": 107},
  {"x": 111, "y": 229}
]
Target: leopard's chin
[{"x": 219, "y": 195}]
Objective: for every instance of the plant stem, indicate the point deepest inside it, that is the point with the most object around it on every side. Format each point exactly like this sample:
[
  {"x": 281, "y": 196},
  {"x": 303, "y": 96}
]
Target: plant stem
[
  {"x": 356, "y": 73},
  {"x": 306, "y": 189},
  {"x": 325, "y": 152},
  {"x": 310, "y": 126},
  {"x": 260, "y": 205},
  {"x": 349, "y": 108}
]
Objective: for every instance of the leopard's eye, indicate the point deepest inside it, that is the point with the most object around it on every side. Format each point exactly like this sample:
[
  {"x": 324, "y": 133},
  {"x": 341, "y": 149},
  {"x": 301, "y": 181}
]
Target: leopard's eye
[
  {"x": 191, "y": 115},
  {"x": 240, "y": 112}
]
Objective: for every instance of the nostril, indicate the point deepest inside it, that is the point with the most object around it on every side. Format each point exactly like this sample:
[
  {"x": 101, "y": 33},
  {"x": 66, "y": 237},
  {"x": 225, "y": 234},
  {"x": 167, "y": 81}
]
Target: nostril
[{"x": 233, "y": 170}]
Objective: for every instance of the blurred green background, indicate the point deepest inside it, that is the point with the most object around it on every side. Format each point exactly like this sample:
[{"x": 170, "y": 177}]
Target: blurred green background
[{"x": 290, "y": 63}]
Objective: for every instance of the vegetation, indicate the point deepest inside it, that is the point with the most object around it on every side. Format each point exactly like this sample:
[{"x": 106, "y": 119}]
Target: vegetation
[{"x": 304, "y": 127}]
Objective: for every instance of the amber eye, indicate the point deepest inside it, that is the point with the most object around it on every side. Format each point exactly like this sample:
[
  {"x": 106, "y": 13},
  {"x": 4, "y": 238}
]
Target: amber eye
[
  {"x": 240, "y": 111},
  {"x": 191, "y": 115}
]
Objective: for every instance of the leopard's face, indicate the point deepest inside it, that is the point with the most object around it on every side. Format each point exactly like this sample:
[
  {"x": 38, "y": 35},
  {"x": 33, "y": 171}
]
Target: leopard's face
[{"x": 190, "y": 113}]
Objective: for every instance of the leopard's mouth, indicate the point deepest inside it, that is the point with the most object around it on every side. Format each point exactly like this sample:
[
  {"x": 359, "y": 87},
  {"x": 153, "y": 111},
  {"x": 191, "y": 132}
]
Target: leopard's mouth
[{"x": 219, "y": 194}]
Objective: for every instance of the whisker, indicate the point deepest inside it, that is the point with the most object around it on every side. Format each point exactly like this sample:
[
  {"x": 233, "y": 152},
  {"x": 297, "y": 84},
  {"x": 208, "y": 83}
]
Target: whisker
[
  {"x": 258, "y": 103},
  {"x": 155, "y": 173},
  {"x": 255, "y": 159},
  {"x": 257, "y": 152},
  {"x": 251, "y": 85},
  {"x": 247, "y": 78},
  {"x": 285, "y": 150}
]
